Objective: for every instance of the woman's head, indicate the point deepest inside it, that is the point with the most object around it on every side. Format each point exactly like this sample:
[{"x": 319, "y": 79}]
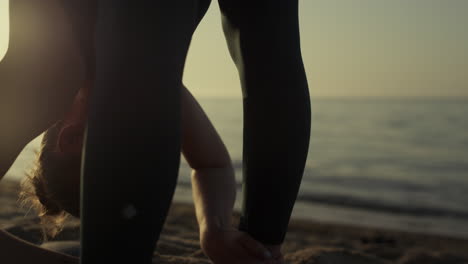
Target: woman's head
[{"x": 52, "y": 187}]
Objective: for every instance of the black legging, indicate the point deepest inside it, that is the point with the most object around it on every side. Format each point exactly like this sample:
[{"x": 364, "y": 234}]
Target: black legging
[
  {"x": 126, "y": 142},
  {"x": 263, "y": 39},
  {"x": 132, "y": 145}
]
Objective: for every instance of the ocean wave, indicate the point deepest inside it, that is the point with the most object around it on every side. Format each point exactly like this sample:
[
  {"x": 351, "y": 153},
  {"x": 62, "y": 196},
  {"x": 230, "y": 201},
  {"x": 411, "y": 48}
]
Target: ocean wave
[{"x": 379, "y": 206}]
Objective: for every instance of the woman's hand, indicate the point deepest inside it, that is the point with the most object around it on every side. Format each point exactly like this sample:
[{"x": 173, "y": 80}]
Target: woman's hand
[
  {"x": 275, "y": 251},
  {"x": 232, "y": 246}
]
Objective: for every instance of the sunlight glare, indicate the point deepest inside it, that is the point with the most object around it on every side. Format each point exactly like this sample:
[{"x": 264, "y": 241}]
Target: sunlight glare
[{"x": 4, "y": 27}]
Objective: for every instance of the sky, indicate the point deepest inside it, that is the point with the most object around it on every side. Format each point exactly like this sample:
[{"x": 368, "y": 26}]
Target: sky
[
  {"x": 3, "y": 27},
  {"x": 350, "y": 48}
]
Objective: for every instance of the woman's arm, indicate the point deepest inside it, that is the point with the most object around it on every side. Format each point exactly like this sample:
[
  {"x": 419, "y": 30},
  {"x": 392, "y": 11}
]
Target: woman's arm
[
  {"x": 17, "y": 251},
  {"x": 213, "y": 181},
  {"x": 39, "y": 75},
  {"x": 214, "y": 189}
]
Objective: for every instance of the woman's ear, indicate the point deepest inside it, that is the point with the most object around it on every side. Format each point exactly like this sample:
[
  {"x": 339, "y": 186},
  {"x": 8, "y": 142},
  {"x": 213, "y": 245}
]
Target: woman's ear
[{"x": 70, "y": 139}]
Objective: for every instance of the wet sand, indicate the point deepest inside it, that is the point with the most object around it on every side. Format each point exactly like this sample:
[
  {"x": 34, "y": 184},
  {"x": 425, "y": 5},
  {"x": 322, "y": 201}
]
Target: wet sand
[{"x": 307, "y": 242}]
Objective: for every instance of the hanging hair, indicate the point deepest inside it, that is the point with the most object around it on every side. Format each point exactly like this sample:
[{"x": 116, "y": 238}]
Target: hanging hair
[{"x": 37, "y": 187}]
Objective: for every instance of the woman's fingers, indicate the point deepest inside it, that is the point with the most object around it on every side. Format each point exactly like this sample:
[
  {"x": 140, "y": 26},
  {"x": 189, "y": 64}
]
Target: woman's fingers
[{"x": 254, "y": 247}]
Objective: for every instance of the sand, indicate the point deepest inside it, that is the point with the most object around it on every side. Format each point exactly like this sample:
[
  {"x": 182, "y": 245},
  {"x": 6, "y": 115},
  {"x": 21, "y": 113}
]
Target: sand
[{"x": 307, "y": 242}]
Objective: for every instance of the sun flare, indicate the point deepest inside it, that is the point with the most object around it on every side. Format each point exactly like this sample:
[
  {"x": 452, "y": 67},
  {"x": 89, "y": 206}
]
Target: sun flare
[{"x": 4, "y": 26}]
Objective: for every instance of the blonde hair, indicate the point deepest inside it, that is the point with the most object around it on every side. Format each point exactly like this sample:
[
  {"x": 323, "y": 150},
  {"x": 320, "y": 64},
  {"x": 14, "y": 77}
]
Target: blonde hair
[{"x": 37, "y": 188}]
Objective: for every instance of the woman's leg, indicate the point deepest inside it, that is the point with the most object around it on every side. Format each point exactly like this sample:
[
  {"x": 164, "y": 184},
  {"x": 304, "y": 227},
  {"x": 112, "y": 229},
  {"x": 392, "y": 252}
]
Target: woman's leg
[
  {"x": 263, "y": 38},
  {"x": 132, "y": 148}
]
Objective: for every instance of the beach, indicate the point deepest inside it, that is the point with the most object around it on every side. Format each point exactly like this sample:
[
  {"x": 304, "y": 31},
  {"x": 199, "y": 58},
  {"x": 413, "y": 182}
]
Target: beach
[{"x": 307, "y": 241}]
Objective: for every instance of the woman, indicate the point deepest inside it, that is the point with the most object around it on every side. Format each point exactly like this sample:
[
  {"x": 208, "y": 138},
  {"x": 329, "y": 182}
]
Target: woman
[
  {"x": 263, "y": 37},
  {"x": 54, "y": 184}
]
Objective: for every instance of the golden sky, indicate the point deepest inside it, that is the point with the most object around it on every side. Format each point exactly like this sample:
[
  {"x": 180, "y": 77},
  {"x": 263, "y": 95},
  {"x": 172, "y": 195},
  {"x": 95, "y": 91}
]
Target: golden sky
[
  {"x": 350, "y": 48},
  {"x": 3, "y": 27}
]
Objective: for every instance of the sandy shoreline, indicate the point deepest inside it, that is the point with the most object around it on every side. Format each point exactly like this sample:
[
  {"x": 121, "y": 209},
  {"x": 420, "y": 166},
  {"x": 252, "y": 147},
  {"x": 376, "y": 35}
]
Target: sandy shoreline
[{"x": 306, "y": 242}]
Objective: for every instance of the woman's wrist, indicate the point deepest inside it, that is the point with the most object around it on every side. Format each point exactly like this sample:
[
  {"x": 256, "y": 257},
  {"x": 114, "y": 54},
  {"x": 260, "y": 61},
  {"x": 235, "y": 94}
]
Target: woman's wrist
[
  {"x": 215, "y": 224},
  {"x": 214, "y": 194}
]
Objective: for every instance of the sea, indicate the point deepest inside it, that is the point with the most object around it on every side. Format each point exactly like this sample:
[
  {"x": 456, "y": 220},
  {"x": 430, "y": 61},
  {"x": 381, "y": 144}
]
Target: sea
[{"x": 397, "y": 163}]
